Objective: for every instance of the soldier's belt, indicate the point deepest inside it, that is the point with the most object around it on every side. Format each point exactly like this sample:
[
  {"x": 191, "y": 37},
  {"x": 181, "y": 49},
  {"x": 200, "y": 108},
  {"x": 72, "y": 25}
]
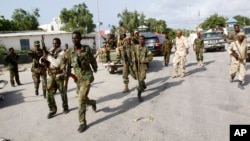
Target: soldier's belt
[{"x": 54, "y": 71}]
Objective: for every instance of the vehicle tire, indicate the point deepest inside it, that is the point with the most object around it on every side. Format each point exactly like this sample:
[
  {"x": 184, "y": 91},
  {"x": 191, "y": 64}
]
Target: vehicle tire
[{"x": 204, "y": 50}]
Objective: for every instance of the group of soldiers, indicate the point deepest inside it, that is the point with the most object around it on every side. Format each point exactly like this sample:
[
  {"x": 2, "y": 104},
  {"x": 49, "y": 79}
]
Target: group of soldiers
[{"x": 54, "y": 66}]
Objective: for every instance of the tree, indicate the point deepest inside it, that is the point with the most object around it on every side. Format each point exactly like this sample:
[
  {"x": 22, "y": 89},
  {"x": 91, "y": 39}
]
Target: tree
[
  {"x": 24, "y": 20},
  {"x": 6, "y": 25},
  {"x": 77, "y": 18},
  {"x": 213, "y": 21},
  {"x": 156, "y": 25},
  {"x": 130, "y": 20},
  {"x": 242, "y": 21}
]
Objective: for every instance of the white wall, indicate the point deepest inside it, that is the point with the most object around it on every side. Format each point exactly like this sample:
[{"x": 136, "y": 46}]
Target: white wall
[{"x": 14, "y": 41}]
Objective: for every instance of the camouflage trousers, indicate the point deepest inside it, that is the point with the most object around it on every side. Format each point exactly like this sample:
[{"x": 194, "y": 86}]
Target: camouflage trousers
[
  {"x": 14, "y": 75},
  {"x": 238, "y": 67},
  {"x": 126, "y": 70},
  {"x": 83, "y": 87},
  {"x": 179, "y": 60},
  {"x": 141, "y": 76},
  {"x": 56, "y": 83},
  {"x": 36, "y": 79},
  {"x": 166, "y": 56},
  {"x": 199, "y": 54}
]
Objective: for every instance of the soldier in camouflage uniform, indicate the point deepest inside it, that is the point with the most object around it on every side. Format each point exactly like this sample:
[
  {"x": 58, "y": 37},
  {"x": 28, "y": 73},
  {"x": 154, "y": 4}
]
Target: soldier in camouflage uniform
[
  {"x": 56, "y": 78},
  {"x": 80, "y": 58},
  {"x": 181, "y": 51},
  {"x": 198, "y": 48},
  {"x": 134, "y": 37},
  {"x": 11, "y": 59},
  {"x": 166, "y": 49},
  {"x": 141, "y": 56},
  {"x": 127, "y": 69},
  {"x": 38, "y": 70}
]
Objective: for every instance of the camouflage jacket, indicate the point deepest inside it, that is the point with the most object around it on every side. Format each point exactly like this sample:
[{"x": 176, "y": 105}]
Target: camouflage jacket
[
  {"x": 167, "y": 45},
  {"x": 141, "y": 56},
  {"x": 81, "y": 64},
  {"x": 11, "y": 59},
  {"x": 198, "y": 43},
  {"x": 36, "y": 55}
]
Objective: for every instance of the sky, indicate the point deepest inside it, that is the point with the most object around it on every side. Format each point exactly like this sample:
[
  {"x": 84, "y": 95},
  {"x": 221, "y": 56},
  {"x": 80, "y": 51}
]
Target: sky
[{"x": 177, "y": 14}]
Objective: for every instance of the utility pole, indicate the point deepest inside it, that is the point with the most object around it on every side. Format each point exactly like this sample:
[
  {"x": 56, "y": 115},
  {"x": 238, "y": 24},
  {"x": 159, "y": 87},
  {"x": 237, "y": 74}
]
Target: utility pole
[{"x": 99, "y": 24}]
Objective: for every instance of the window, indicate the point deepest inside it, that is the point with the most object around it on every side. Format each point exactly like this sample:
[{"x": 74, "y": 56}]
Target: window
[{"x": 25, "y": 44}]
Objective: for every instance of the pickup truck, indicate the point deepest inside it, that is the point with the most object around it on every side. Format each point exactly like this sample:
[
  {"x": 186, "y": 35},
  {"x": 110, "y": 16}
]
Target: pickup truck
[{"x": 213, "y": 40}]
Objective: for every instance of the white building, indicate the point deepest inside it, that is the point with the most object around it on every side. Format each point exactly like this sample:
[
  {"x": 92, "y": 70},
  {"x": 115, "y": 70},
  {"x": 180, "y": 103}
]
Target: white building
[
  {"x": 54, "y": 25},
  {"x": 25, "y": 40}
]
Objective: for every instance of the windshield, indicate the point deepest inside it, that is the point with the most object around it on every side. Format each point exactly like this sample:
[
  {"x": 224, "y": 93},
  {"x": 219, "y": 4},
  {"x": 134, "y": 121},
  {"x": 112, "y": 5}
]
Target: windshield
[{"x": 211, "y": 34}]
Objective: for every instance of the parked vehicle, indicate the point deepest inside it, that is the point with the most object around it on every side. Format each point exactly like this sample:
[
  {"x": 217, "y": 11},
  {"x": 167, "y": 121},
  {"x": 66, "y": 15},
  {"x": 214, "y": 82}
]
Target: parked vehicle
[
  {"x": 213, "y": 40},
  {"x": 153, "y": 43},
  {"x": 246, "y": 30}
]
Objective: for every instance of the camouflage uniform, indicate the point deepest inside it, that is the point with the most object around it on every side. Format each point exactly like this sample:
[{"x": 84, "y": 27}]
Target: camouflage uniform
[
  {"x": 198, "y": 47},
  {"x": 11, "y": 59},
  {"x": 166, "y": 49},
  {"x": 38, "y": 70},
  {"x": 81, "y": 65},
  {"x": 141, "y": 56},
  {"x": 181, "y": 46},
  {"x": 56, "y": 80},
  {"x": 126, "y": 53}
]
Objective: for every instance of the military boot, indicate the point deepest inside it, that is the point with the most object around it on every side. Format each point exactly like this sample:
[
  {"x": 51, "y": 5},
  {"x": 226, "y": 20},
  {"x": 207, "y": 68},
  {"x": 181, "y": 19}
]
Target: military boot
[
  {"x": 232, "y": 78},
  {"x": 125, "y": 89},
  {"x": 140, "y": 99},
  {"x": 36, "y": 91},
  {"x": 44, "y": 93},
  {"x": 12, "y": 82},
  {"x": 144, "y": 85},
  {"x": 240, "y": 85}
]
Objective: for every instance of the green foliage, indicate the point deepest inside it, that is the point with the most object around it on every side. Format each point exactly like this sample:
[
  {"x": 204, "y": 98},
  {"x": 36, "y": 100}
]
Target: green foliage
[
  {"x": 214, "y": 21},
  {"x": 132, "y": 20},
  {"x": 77, "y": 18},
  {"x": 21, "y": 20},
  {"x": 6, "y": 25},
  {"x": 242, "y": 21},
  {"x": 24, "y": 20},
  {"x": 129, "y": 19},
  {"x": 3, "y": 49}
]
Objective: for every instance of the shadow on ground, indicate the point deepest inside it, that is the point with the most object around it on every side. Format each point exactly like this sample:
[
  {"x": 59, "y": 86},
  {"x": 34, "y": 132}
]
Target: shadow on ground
[
  {"x": 131, "y": 103},
  {"x": 11, "y": 98}
]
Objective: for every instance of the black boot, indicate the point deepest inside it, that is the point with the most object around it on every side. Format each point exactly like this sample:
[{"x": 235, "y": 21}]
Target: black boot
[
  {"x": 12, "y": 82},
  {"x": 232, "y": 78},
  {"x": 240, "y": 85},
  {"x": 36, "y": 91},
  {"x": 44, "y": 93},
  {"x": 140, "y": 99}
]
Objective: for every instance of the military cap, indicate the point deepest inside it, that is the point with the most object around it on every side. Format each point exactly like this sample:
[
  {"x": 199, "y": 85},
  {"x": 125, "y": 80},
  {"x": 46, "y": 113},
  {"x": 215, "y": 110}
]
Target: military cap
[{"x": 36, "y": 43}]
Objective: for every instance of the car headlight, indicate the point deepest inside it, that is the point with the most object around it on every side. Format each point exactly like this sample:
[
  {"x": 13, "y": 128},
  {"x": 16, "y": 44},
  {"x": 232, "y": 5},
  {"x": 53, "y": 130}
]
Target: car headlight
[{"x": 205, "y": 42}]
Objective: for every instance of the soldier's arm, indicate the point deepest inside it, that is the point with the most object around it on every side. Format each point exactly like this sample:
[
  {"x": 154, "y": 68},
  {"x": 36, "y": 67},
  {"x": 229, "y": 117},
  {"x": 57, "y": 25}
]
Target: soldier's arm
[{"x": 93, "y": 61}]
